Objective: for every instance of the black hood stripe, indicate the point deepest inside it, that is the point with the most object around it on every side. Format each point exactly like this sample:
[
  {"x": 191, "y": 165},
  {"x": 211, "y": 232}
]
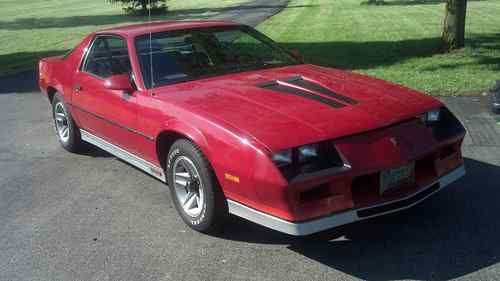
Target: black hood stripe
[
  {"x": 274, "y": 86},
  {"x": 309, "y": 85}
]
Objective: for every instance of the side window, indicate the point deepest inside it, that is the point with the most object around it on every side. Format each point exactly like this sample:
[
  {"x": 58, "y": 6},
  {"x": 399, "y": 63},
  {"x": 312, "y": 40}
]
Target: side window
[{"x": 108, "y": 56}]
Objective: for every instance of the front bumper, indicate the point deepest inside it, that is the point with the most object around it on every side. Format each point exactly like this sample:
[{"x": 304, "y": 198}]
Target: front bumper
[
  {"x": 317, "y": 225},
  {"x": 495, "y": 100}
]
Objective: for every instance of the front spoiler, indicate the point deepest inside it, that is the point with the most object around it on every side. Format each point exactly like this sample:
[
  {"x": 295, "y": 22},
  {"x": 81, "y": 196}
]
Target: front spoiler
[{"x": 317, "y": 225}]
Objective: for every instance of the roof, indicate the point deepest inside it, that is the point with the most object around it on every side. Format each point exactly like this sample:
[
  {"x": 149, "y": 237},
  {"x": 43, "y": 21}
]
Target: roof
[{"x": 159, "y": 26}]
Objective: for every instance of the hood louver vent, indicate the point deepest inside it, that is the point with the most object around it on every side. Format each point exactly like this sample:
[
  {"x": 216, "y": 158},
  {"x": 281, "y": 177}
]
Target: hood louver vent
[{"x": 307, "y": 89}]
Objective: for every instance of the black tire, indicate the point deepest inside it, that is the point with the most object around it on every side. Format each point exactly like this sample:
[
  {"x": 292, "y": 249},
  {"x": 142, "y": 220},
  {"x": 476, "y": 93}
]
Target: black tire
[
  {"x": 214, "y": 210},
  {"x": 73, "y": 141}
]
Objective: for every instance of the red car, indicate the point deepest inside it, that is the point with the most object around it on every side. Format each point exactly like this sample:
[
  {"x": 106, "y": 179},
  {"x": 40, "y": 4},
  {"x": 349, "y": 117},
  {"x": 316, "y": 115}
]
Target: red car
[{"x": 237, "y": 125}]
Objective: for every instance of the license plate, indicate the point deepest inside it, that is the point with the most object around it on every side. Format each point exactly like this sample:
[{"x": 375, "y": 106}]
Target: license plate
[{"x": 395, "y": 178}]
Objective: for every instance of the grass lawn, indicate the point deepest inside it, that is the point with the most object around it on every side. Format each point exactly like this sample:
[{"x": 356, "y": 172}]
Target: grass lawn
[
  {"x": 398, "y": 41},
  {"x": 37, "y": 28}
]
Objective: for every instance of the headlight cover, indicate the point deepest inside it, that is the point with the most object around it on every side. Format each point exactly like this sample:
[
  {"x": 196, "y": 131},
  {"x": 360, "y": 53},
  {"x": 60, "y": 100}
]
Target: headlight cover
[
  {"x": 282, "y": 158},
  {"x": 307, "y": 152},
  {"x": 300, "y": 161},
  {"x": 443, "y": 124}
]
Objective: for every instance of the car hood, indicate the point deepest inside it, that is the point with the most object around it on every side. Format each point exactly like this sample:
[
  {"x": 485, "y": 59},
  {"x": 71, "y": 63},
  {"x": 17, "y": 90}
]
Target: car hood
[{"x": 269, "y": 106}]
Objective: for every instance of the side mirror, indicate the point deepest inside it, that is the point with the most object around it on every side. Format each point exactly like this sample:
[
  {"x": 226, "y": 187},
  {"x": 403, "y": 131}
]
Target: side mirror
[
  {"x": 119, "y": 82},
  {"x": 297, "y": 55}
]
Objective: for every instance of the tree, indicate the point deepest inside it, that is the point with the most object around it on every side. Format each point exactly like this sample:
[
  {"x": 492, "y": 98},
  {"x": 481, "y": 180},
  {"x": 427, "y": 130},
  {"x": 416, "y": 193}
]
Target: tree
[
  {"x": 141, "y": 6},
  {"x": 454, "y": 25}
]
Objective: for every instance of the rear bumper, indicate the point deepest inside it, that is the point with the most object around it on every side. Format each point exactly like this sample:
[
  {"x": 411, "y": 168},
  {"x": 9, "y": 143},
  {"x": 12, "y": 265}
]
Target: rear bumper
[{"x": 317, "y": 225}]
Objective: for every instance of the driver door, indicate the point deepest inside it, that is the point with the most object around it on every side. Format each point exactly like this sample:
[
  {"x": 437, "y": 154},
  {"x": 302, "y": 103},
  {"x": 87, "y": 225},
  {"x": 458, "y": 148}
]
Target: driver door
[{"x": 108, "y": 114}]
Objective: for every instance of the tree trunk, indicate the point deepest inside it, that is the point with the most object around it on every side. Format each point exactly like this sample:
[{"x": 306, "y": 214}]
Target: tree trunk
[
  {"x": 454, "y": 25},
  {"x": 144, "y": 6}
]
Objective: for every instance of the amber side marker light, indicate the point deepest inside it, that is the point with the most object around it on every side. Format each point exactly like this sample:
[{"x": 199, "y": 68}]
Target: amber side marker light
[{"x": 232, "y": 178}]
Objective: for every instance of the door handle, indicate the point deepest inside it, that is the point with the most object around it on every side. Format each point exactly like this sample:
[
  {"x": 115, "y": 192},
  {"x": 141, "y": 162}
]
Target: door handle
[{"x": 78, "y": 88}]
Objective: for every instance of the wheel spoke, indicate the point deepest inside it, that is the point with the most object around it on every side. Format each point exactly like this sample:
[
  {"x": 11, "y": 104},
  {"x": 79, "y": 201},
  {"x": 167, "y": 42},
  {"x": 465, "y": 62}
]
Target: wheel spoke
[
  {"x": 190, "y": 200},
  {"x": 65, "y": 132},
  {"x": 182, "y": 178},
  {"x": 181, "y": 182},
  {"x": 184, "y": 175}
]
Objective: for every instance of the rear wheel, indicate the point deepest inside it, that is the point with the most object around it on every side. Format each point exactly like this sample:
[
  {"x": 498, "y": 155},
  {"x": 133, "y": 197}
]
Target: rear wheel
[
  {"x": 66, "y": 129},
  {"x": 194, "y": 188}
]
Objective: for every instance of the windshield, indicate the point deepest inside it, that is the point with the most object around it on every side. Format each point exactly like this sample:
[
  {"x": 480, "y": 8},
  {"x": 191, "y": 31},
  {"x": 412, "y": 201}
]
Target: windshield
[{"x": 184, "y": 55}]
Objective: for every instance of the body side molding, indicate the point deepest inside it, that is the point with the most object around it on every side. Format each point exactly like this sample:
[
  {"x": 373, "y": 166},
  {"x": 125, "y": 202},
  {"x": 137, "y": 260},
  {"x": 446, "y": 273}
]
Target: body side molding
[
  {"x": 113, "y": 123},
  {"x": 126, "y": 156}
]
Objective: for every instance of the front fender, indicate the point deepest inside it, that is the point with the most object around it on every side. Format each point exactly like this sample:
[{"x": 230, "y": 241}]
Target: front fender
[
  {"x": 231, "y": 156},
  {"x": 175, "y": 126}
]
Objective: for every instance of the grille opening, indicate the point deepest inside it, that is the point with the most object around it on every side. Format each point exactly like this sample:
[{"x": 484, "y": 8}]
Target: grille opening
[
  {"x": 425, "y": 169},
  {"x": 447, "y": 151},
  {"x": 316, "y": 193},
  {"x": 364, "y": 188}
]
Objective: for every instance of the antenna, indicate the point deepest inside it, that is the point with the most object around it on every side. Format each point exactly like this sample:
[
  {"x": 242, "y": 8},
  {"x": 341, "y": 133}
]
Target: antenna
[{"x": 150, "y": 45}]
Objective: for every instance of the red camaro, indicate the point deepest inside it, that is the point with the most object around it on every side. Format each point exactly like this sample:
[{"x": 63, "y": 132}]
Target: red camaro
[{"x": 235, "y": 124}]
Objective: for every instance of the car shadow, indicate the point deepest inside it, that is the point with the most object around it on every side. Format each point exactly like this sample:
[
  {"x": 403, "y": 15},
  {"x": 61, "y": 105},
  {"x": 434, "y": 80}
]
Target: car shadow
[
  {"x": 372, "y": 54},
  {"x": 24, "y": 82},
  {"x": 94, "y": 151},
  {"x": 452, "y": 234}
]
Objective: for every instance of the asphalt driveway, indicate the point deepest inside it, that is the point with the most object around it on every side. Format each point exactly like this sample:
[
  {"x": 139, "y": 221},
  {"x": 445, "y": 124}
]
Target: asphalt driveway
[{"x": 92, "y": 217}]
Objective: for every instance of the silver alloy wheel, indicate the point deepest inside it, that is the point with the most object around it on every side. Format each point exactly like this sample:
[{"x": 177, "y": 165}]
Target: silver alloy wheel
[
  {"x": 62, "y": 123},
  {"x": 188, "y": 186}
]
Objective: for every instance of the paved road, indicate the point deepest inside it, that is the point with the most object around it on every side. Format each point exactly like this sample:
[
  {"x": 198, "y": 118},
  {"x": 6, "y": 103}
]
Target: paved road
[{"x": 92, "y": 217}]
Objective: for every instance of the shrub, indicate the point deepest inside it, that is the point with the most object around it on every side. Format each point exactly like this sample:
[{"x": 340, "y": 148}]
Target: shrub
[{"x": 141, "y": 6}]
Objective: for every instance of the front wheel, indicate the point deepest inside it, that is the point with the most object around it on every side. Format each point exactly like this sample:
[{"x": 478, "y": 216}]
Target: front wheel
[
  {"x": 66, "y": 129},
  {"x": 194, "y": 188}
]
